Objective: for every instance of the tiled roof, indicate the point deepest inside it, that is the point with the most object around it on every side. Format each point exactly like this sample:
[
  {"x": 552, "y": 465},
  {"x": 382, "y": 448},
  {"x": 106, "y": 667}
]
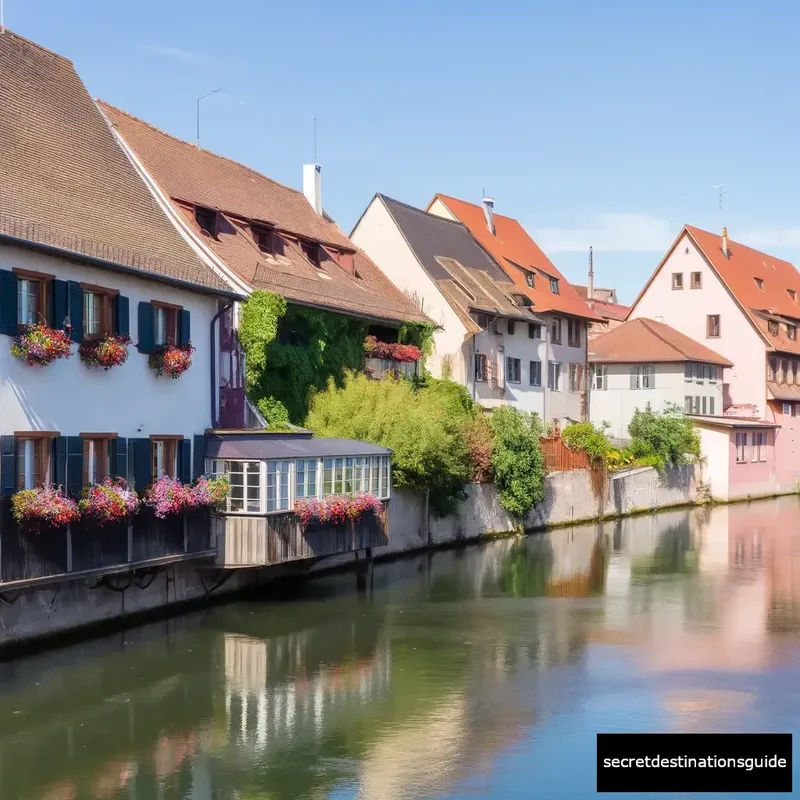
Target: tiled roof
[
  {"x": 647, "y": 341},
  {"x": 604, "y": 295},
  {"x": 608, "y": 310},
  {"x": 783, "y": 391},
  {"x": 65, "y": 183},
  {"x": 515, "y": 251},
  {"x": 242, "y": 195}
]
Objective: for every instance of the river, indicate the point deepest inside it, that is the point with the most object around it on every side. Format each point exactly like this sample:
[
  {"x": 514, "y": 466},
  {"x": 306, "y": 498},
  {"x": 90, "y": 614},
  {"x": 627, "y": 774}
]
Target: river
[{"x": 481, "y": 672}]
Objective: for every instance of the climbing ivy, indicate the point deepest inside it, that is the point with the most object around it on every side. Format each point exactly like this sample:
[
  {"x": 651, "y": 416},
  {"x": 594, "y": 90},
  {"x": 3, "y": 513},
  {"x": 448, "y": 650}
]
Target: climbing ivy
[{"x": 419, "y": 334}]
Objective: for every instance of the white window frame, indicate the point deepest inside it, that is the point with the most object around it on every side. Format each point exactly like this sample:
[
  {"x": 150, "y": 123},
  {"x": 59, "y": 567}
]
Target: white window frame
[
  {"x": 29, "y": 454},
  {"x": 648, "y": 376},
  {"x": 787, "y": 409},
  {"x": 25, "y": 314},
  {"x": 741, "y": 436},
  {"x": 160, "y": 326},
  {"x": 513, "y": 370},
  {"x": 284, "y": 501},
  {"x": 600, "y": 377},
  {"x": 759, "y": 445},
  {"x": 554, "y": 385},
  {"x": 531, "y": 382}
]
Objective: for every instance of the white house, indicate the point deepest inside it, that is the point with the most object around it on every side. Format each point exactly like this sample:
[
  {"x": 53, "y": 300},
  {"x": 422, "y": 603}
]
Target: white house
[
  {"x": 489, "y": 339},
  {"x": 644, "y": 361}
]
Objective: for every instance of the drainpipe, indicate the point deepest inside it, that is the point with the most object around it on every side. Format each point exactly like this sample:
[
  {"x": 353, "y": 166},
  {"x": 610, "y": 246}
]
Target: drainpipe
[
  {"x": 474, "y": 379},
  {"x": 214, "y": 415}
]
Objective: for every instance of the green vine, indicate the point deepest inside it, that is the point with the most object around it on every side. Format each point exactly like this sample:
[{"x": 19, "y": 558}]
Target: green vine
[{"x": 419, "y": 334}]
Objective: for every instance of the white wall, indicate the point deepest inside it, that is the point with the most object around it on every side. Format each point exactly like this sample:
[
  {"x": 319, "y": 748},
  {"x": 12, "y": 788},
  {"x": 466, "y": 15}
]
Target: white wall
[
  {"x": 617, "y": 403},
  {"x": 129, "y": 400},
  {"x": 715, "y": 446},
  {"x": 563, "y": 404},
  {"x": 686, "y": 311}
]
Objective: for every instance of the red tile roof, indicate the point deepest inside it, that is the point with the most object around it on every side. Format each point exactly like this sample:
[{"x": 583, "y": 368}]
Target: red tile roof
[
  {"x": 613, "y": 311},
  {"x": 647, "y": 341},
  {"x": 199, "y": 177},
  {"x": 515, "y": 251},
  {"x": 65, "y": 183}
]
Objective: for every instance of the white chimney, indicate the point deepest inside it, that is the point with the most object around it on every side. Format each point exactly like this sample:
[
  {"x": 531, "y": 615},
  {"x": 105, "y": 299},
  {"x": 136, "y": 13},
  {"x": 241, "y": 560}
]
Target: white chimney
[
  {"x": 488, "y": 210},
  {"x": 312, "y": 186},
  {"x": 725, "y": 250},
  {"x": 590, "y": 287}
]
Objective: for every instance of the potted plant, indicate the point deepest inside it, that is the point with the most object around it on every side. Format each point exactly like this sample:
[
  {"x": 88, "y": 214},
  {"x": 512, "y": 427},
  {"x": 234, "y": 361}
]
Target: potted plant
[
  {"x": 40, "y": 345},
  {"x": 110, "y": 501},
  {"x": 45, "y": 505},
  {"x": 106, "y": 352},
  {"x": 336, "y": 509},
  {"x": 209, "y": 492},
  {"x": 171, "y": 359},
  {"x": 167, "y": 496}
]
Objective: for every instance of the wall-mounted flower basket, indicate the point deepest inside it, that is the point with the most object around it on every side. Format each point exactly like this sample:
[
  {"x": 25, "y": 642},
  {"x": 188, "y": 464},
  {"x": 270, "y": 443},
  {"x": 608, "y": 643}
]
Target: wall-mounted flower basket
[
  {"x": 336, "y": 509},
  {"x": 209, "y": 492},
  {"x": 40, "y": 345},
  {"x": 107, "y": 502},
  {"x": 167, "y": 497},
  {"x": 47, "y": 505},
  {"x": 105, "y": 353},
  {"x": 171, "y": 360},
  {"x": 408, "y": 353}
]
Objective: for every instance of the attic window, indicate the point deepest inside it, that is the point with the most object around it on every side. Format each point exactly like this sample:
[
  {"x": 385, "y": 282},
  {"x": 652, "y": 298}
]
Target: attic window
[
  {"x": 759, "y": 283},
  {"x": 206, "y": 218},
  {"x": 772, "y": 327},
  {"x": 522, "y": 300},
  {"x": 264, "y": 239},
  {"x": 312, "y": 253},
  {"x": 791, "y": 331},
  {"x": 793, "y": 294},
  {"x": 554, "y": 285},
  {"x": 529, "y": 278}
]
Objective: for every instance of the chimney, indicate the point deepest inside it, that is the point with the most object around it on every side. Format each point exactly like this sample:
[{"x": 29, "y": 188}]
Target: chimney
[
  {"x": 312, "y": 186},
  {"x": 488, "y": 210},
  {"x": 590, "y": 287},
  {"x": 725, "y": 250}
]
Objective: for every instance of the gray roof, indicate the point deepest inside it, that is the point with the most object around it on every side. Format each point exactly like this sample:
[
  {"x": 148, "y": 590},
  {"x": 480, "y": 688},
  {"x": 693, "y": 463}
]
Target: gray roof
[{"x": 269, "y": 445}]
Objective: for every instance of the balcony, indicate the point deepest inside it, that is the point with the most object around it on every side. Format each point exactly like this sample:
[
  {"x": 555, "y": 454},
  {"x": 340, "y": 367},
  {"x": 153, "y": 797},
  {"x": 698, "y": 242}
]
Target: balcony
[{"x": 382, "y": 359}]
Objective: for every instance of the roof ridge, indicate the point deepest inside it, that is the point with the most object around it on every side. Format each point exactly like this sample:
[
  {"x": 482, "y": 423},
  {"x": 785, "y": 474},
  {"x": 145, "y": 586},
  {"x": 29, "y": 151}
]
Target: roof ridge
[
  {"x": 479, "y": 208},
  {"x": 672, "y": 345},
  {"x": 457, "y": 222},
  {"x": 45, "y": 50}
]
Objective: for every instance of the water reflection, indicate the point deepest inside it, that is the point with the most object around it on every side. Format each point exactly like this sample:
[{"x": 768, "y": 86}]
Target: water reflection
[{"x": 458, "y": 663}]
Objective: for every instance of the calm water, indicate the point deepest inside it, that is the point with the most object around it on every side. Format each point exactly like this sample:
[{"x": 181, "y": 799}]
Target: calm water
[{"x": 478, "y": 673}]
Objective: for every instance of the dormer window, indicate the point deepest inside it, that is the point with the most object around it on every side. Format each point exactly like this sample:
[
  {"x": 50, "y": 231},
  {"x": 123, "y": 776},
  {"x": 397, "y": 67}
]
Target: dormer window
[
  {"x": 791, "y": 331},
  {"x": 311, "y": 250},
  {"x": 772, "y": 327},
  {"x": 264, "y": 238},
  {"x": 206, "y": 218},
  {"x": 759, "y": 283},
  {"x": 792, "y": 294},
  {"x": 530, "y": 279},
  {"x": 554, "y": 285}
]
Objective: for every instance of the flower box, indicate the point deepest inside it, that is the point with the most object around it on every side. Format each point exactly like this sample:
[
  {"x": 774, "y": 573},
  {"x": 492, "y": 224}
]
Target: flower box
[
  {"x": 336, "y": 509},
  {"x": 105, "y": 353},
  {"x": 110, "y": 501},
  {"x": 171, "y": 360},
  {"x": 167, "y": 497},
  {"x": 209, "y": 492},
  {"x": 40, "y": 345},
  {"x": 46, "y": 505},
  {"x": 407, "y": 353}
]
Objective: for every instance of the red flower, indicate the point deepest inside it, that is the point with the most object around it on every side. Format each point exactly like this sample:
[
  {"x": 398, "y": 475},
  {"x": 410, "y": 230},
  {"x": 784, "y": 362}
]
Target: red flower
[
  {"x": 172, "y": 360},
  {"x": 40, "y": 345},
  {"x": 108, "y": 352},
  {"x": 388, "y": 351}
]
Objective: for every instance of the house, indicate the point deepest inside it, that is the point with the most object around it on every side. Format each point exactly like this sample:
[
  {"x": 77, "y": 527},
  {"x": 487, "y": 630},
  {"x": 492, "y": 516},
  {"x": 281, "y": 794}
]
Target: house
[
  {"x": 744, "y": 304},
  {"x": 489, "y": 339},
  {"x": 565, "y": 314},
  {"x": 643, "y": 362},
  {"x": 267, "y": 236}
]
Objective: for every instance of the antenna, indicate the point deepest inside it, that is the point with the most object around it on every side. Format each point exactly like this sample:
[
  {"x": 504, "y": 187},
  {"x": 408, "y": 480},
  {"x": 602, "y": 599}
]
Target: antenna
[
  {"x": 202, "y": 97},
  {"x": 315, "y": 140},
  {"x": 2, "y": 18},
  {"x": 720, "y": 193}
]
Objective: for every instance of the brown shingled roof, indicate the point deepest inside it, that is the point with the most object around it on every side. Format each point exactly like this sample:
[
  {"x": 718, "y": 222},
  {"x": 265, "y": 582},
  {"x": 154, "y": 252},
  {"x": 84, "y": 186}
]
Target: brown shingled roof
[
  {"x": 66, "y": 184},
  {"x": 646, "y": 341},
  {"x": 241, "y": 195}
]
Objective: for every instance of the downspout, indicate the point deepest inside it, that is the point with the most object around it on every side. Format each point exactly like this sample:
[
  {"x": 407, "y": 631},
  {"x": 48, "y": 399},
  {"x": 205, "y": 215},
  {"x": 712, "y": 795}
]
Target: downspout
[
  {"x": 214, "y": 416},
  {"x": 474, "y": 378}
]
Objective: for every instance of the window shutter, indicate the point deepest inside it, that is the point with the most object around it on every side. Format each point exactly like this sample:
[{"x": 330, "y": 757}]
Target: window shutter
[
  {"x": 122, "y": 314},
  {"x": 633, "y": 378},
  {"x": 76, "y": 310},
  {"x": 8, "y": 302},
  {"x": 147, "y": 328},
  {"x": 652, "y": 376},
  {"x": 185, "y": 460},
  {"x": 60, "y": 303},
  {"x": 8, "y": 463},
  {"x": 119, "y": 458},
  {"x": 142, "y": 466},
  {"x": 74, "y": 465},
  {"x": 60, "y": 460},
  {"x": 199, "y": 456},
  {"x": 185, "y": 332}
]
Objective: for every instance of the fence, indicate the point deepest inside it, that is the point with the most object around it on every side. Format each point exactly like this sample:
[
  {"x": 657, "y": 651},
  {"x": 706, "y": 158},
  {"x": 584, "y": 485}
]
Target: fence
[{"x": 559, "y": 458}]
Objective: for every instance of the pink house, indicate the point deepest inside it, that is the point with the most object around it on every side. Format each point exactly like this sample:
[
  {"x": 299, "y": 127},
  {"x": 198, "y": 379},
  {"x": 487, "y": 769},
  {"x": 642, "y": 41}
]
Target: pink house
[{"x": 744, "y": 304}]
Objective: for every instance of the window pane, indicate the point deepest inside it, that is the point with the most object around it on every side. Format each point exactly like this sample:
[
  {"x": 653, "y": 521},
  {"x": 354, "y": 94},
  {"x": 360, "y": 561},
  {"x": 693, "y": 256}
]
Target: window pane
[
  {"x": 327, "y": 476},
  {"x": 28, "y": 301},
  {"x": 161, "y": 326}
]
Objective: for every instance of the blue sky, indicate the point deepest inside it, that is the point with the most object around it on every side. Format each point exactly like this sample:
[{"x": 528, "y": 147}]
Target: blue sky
[{"x": 592, "y": 123}]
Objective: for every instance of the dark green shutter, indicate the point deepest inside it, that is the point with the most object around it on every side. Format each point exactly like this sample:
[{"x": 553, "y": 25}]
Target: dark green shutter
[
  {"x": 185, "y": 460},
  {"x": 76, "y": 311},
  {"x": 60, "y": 303},
  {"x": 60, "y": 460},
  {"x": 147, "y": 328},
  {"x": 119, "y": 458},
  {"x": 185, "y": 332},
  {"x": 122, "y": 314},
  {"x": 8, "y": 464},
  {"x": 8, "y": 302},
  {"x": 199, "y": 456},
  {"x": 74, "y": 465},
  {"x": 142, "y": 464}
]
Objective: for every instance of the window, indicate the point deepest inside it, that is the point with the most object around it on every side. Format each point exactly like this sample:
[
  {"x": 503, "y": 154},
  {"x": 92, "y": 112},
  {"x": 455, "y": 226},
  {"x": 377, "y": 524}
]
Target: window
[
  {"x": 677, "y": 280},
  {"x": 312, "y": 253},
  {"x": 600, "y": 377},
  {"x": 791, "y": 331},
  {"x": 306, "y": 478},
  {"x": 784, "y": 370},
  {"x": 554, "y": 285},
  {"x": 96, "y": 457},
  {"x": 696, "y": 280},
  {"x": 712, "y": 370},
  {"x": 555, "y": 330},
  {"x": 705, "y": 406},
  {"x": 554, "y": 376},
  {"x": 688, "y": 371},
  {"x": 574, "y": 332},
  {"x": 166, "y": 323},
  {"x": 712, "y": 326},
  {"x": 575, "y": 377},
  {"x": 787, "y": 409},
  {"x": 529, "y": 278},
  {"x": 206, "y": 218},
  {"x": 481, "y": 364},
  {"x": 33, "y": 297},
  {"x": 245, "y": 479},
  {"x": 164, "y": 456},
  {"x": 264, "y": 240},
  {"x": 511, "y": 327},
  {"x": 34, "y": 459},
  {"x": 277, "y": 485},
  {"x": 493, "y": 328},
  {"x": 711, "y": 406},
  {"x": 792, "y": 294},
  {"x": 759, "y": 446},
  {"x": 687, "y": 404},
  {"x": 482, "y": 320},
  {"x": 513, "y": 370},
  {"x": 772, "y": 327},
  {"x": 98, "y": 311},
  {"x": 759, "y": 283},
  {"x": 741, "y": 448},
  {"x": 534, "y": 330},
  {"x": 535, "y": 373},
  {"x": 380, "y": 476},
  {"x": 643, "y": 376},
  {"x": 772, "y": 369}
]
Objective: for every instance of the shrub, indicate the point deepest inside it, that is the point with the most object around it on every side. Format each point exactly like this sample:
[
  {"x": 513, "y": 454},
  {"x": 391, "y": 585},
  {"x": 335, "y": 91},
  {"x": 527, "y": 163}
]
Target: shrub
[
  {"x": 663, "y": 438},
  {"x": 46, "y": 505},
  {"x": 40, "y": 345},
  {"x": 585, "y": 436},
  {"x": 480, "y": 443},
  {"x": 517, "y": 460}
]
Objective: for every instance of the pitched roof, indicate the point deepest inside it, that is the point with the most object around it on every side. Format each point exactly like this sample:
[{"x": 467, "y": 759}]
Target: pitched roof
[
  {"x": 608, "y": 311},
  {"x": 193, "y": 176},
  {"x": 647, "y": 341},
  {"x": 465, "y": 273},
  {"x": 66, "y": 184},
  {"x": 515, "y": 251},
  {"x": 604, "y": 295}
]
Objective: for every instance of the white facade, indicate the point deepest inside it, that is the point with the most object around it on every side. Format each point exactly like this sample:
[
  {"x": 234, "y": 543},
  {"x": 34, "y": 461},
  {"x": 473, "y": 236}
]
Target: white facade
[{"x": 614, "y": 400}]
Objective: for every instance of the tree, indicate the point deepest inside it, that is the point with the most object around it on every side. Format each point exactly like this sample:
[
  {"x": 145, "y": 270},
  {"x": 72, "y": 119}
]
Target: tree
[{"x": 667, "y": 437}]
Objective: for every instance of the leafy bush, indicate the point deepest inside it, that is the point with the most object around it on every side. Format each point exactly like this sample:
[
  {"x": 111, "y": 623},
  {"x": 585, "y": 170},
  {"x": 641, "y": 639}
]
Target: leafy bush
[
  {"x": 517, "y": 459},
  {"x": 480, "y": 443},
  {"x": 585, "y": 436},
  {"x": 663, "y": 438}
]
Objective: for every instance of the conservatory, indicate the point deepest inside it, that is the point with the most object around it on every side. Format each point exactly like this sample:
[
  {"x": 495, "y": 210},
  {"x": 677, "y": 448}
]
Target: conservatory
[{"x": 294, "y": 497}]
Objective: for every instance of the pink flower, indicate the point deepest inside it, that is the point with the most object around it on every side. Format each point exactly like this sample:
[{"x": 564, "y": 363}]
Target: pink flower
[
  {"x": 172, "y": 360},
  {"x": 167, "y": 496},
  {"x": 209, "y": 492},
  {"x": 40, "y": 345},
  {"x": 47, "y": 505},
  {"x": 109, "y": 501},
  {"x": 336, "y": 509},
  {"x": 108, "y": 352}
]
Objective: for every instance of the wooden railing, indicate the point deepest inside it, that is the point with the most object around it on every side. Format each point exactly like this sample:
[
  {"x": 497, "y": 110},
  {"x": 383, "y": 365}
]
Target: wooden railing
[
  {"x": 379, "y": 368},
  {"x": 559, "y": 458}
]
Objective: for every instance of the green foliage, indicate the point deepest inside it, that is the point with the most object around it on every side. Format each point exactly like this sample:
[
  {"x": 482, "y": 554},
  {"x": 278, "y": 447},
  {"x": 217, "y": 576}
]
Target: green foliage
[
  {"x": 419, "y": 334},
  {"x": 585, "y": 436},
  {"x": 517, "y": 460},
  {"x": 480, "y": 443},
  {"x": 425, "y": 428},
  {"x": 663, "y": 438}
]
